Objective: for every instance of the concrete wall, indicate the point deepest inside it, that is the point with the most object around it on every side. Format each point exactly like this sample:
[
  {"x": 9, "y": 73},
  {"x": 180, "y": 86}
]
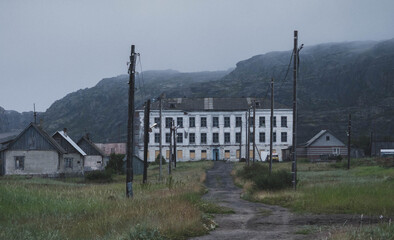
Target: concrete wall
[
  {"x": 36, "y": 162},
  {"x": 232, "y": 146},
  {"x": 93, "y": 162}
]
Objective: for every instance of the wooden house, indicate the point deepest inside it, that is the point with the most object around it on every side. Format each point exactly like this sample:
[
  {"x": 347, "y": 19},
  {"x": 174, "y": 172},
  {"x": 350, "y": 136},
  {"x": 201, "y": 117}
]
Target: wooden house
[
  {"x": 95, "y": 159},
  {"x": 33, "y": 151},
  {"x": 74, "y": 156},
  {"x": 322, "y": 146}
]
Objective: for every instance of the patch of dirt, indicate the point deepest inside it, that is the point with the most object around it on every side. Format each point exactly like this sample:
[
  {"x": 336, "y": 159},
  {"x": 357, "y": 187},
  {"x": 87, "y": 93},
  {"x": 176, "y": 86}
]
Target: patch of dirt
[{"x": 256, "y": 220}]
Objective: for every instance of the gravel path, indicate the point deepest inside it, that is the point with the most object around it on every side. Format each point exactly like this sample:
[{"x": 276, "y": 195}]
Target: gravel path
[{"x": 256, "y": 220}]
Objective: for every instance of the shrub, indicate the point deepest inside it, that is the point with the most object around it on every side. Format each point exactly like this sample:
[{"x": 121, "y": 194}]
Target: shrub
[
  {"x": 115, "y": 163},
  {"x": 157, "y": 161},
  {"x": 262, "y": 180},
  {"x": 99, "y": 176}
]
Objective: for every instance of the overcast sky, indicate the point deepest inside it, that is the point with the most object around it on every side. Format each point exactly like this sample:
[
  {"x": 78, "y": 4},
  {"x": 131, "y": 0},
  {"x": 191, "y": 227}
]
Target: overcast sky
[{"x": 51, "y": 48}]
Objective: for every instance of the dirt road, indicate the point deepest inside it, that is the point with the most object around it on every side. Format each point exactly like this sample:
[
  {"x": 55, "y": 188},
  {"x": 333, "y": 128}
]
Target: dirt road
[{"x": 256, "y": 220}]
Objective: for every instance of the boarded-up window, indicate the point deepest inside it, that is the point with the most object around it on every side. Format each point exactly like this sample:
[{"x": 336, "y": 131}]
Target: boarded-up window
[
  {"x": 237, "y": 154},
  {"x": 157, "y": 153},
  {"x": 227, "y": 154},
  {"x": 251, "y": 153},
  {"x": 192, "y": 154},
  {"x": 179, "y": 154},
  {"x": 203, "y": 154},
  {"x": 168, "y": 154}
]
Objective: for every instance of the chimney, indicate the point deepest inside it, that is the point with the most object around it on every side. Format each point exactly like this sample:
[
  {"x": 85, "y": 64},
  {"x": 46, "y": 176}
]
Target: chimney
[
  {"x": 65, "y": 131},
  {"x": 87, "y": 136}
]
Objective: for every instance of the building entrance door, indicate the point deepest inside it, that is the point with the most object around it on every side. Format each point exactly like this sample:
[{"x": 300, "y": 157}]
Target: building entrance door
[{"x": 215, "y": 154}]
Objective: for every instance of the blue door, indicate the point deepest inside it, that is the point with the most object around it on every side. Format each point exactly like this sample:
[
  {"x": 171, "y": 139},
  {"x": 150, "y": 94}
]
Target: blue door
[{"x": 215, "y": 154}]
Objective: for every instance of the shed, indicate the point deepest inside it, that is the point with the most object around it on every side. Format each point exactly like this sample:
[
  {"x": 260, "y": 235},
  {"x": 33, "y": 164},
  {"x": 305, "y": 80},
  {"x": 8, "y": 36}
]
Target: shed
[
  {"x": 138, "y": 165},
  {"x": 322, "y": 146},
  {"x": 95, "y": 158}
]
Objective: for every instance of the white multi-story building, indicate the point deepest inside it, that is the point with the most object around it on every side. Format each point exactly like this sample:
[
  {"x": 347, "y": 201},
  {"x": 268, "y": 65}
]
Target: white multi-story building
[{"x": 215, "y": 128}]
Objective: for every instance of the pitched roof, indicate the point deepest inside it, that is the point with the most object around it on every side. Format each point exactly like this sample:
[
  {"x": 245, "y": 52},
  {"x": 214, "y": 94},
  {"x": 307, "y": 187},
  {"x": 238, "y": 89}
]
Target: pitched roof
[
  {"x": 69, "y": 140},
  {"x": 213, "y": 104},
  {"x": 44, "y": 134},
  {"x": 317, "y": 136},
  {"x": 92, "y": 144}
]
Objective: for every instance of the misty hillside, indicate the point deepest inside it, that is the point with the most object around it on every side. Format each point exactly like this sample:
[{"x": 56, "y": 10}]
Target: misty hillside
[{"x": 335, "y": 79}]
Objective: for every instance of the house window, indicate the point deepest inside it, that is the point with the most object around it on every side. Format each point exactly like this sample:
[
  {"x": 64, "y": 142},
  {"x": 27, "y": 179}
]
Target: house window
[
  {"x": 215, "y": 122},
  {"x": 227, "y": 137},
  {"x": 227, "y": 154},
  {"x": 237, "y": 154},
  {"x": 179, "y": 122},
  {"x": 167, "y": 154},
  {"x": 327, "y": 138},
  {"x": 215, "y": 137},
  {"x": 20, "y": 162},
  {"x": 168, "y": 122},
  {"x": 68, "y": 163},
  {"x": 157, "y": 137},
  {"x": 283, "y": 121},
  {"x": 238, "y": 137},
  {"x": 238, "y": 121},
  {"x": 157, "y": 121},
  {"x": 192, "y": 122},
  {"x": 336, "y": 151},
  {"x": 179, "y": 154},
  {"x": 168, "y": 138},
  {"x": 192, "y": 138},
  {"x": 179, "y": 138},
  {"x": 274, "y": 122},
  {"x": 203, "y": 154},
  {"x": 203, "y": 138},
  {"x": 203, "y": 122},
  {"x": 192, "y": 154},
  {"x": 283, "y": 137},
  {"x": 226, "y": 121},
  {"x": 262, "y": 137},
  {"x": 262, "y": 121},
  {"x": 274, "y": 136}
]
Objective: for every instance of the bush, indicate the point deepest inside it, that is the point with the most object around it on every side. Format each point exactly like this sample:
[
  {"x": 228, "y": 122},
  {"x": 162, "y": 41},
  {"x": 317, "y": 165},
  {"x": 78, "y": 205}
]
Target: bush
[
  {"x": 262, "y": 180},
  {"x": 99, "y": 176},
  {"x": 163, "y": 161},
  {"x": 115, "y": 163}
]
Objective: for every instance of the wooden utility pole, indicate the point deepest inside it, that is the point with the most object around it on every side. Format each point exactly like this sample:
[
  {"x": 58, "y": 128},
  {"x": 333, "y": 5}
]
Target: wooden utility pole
[
  {"x": 160, "y": 140},
  {"x": 240, "y": 143},
  {"x": 170, "y": 160},
  {"x": 146, "y": 140},
  {"x": 175, "y": 139},
  {"x": 254, "y": 129},
  {"x": 349, "y": 133},
  {"x": 246, "y": 137},
  {"x": 295, "y": 59},
  {"x": 271, "y": 122},
  {"x": 130, "y": 126}
]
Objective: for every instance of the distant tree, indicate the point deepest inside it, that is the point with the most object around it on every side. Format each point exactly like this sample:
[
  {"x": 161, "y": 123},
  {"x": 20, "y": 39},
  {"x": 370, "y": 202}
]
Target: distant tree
[{"x": 115, "y": 163}]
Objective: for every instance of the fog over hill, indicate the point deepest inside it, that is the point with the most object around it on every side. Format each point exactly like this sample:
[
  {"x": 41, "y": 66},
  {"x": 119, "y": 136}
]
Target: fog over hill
[{"x": 335, "y": 79}]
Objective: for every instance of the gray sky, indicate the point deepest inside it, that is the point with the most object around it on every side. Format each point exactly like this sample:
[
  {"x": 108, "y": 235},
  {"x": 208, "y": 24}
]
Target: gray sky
[{"x": 51, "y": 48}]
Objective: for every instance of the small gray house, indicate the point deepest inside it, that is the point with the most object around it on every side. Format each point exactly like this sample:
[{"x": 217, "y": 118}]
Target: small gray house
[
  {"x": 138, "y": 165},
  {"x": 95, "y": 159},
  {"x": 74, "y": 157},
  {"x": 321, "y": 146},
  {"x": 33, "y": 151}
]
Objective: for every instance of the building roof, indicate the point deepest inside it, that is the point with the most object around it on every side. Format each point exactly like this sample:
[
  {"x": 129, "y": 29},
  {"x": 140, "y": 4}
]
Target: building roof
[
  {"x": 44, "y": 134},
  {"x": 214, "y": 104},
  {"x": 84, "y": 138},
  {"x": 316, "y": 137},
  {"x": 70, "y": 141}
]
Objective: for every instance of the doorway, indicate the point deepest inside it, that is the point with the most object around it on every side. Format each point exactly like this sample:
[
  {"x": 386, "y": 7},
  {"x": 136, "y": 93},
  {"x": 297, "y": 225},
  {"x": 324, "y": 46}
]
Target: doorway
[{"x": 215, "y": 154}]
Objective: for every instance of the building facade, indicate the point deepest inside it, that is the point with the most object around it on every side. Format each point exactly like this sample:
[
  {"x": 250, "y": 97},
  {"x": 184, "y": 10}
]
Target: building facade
[{"x": 215, "y": 128}]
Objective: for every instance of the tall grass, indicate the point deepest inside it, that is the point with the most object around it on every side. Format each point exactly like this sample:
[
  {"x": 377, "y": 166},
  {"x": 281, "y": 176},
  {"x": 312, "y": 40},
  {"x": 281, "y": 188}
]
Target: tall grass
[{"x": 51, "y": 209}]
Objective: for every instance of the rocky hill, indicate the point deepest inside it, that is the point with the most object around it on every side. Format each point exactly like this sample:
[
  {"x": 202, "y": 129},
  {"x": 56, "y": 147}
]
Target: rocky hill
[{"x": 335, "y": 79}]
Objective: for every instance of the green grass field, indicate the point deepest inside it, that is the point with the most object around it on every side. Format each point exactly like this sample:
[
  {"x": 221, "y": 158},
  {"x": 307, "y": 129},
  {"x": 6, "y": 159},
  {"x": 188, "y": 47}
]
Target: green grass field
[
  {"x": 328, "y": 188},
  {"x": 37, "y": 208}
]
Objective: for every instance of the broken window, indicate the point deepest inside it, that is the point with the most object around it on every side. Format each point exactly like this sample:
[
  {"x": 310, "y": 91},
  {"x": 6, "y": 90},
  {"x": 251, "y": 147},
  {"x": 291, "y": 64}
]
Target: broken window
[{"x": 20, "y": 162}]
